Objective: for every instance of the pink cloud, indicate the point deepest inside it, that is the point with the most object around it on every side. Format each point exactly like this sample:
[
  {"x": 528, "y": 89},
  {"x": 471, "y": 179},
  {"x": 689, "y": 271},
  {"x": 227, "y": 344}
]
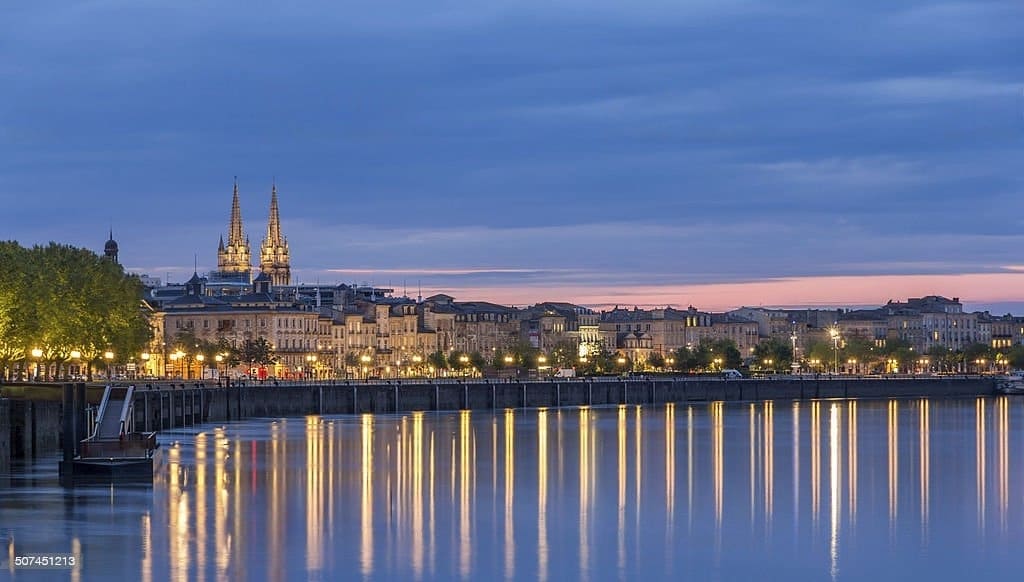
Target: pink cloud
[{"x": 805, "y": 291}]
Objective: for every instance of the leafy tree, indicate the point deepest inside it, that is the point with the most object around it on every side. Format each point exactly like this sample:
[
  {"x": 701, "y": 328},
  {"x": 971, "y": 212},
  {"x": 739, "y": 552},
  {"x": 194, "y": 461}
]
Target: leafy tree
[
  {"x": 477, "y": 360},
  {"x": 61, "y": 299},
  {"x": 257, "y": 351},
  {"x": 599, "y": 361},
  {"x": 656, "y": 361},
  {"x": 686, "y": 359},
  {"x": 975, "y": 353},
  {"x": 438, "y": 360},
  {"x": 774, "y": 354},
  {"x": 563, "y": 355},
  {"x": 723, "y": 350}
]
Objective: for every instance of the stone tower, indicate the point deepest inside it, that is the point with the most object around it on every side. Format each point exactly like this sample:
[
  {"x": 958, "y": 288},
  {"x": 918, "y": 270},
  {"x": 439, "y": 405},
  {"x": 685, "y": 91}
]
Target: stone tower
[
  {"x": 274, "y": 258},
  {"x": 235, "y": 256}
]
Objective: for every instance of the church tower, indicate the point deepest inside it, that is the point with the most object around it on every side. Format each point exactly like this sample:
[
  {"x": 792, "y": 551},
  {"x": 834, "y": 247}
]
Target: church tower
[
  {"x": 110, "y": 249},
  {"x": 234, "y": 258},
  {"x": 274, "y": 258}
]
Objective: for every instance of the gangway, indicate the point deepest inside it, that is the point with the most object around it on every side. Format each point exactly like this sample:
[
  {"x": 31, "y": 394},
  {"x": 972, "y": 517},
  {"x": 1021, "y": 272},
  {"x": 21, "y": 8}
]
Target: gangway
[
  {"x": 115, "y": 413},
  {"x": 114, "y": 450}
]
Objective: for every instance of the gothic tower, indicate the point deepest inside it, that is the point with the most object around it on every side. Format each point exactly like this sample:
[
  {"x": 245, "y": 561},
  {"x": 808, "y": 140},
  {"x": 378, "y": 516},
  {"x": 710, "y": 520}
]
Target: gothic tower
[
  {"x": 234, "y": 258},
  {"x": 274, "y": 259}
]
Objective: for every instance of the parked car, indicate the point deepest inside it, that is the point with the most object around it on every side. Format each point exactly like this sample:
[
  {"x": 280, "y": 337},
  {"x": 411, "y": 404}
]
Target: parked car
[{"x": 731, "y": 374}]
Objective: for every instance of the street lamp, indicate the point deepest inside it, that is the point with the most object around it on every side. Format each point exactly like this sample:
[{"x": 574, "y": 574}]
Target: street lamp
[
  {"x": 463, "y": 360},
  {"x": 178, "y": 356},
  {"x": 718, "y": 363},
  {"x": 768, "y": 363},
  {"x": 37, "y": 354},
  {"x": 311, "y": 360},
  {"x": 853, "y": 364},
  {"x": 202, "y": 371},
  {"x": 365, "y": 359},
  {"x": 834, "y": 333},
  {"x": 77, "y": 355},
  {"x": 108, "y": 356}
]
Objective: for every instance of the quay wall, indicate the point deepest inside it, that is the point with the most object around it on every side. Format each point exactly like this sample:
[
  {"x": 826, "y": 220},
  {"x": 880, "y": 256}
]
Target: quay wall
[
  {"x": 166, "y": 408},
  {"x": 31, "y": 426},
  {"x": 5, "y": 436}
]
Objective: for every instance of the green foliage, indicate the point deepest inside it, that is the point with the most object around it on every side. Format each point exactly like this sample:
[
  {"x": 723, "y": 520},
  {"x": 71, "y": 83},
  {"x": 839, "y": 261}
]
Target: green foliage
[
  {"x": 599, "y": 361},
  {"x": 563, "y": 355},
  {"x": 258, "y": 351},
  {"x": 773, "y": 354},
  {"x": 656, "y": 361},
  {"x": 477, "y": 360},
  {"x": 438, "y": 360},
  {"x": 59, "y": 298}
]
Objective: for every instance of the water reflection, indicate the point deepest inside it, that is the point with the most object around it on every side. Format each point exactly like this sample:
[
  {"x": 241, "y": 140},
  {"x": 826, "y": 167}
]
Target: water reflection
[{"x": 400, "y": 496}]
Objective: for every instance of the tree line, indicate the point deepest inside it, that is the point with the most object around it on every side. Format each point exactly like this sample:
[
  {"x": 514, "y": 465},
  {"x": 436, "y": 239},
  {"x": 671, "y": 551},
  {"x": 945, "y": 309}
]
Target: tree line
[{"x": 60, "y": 301}]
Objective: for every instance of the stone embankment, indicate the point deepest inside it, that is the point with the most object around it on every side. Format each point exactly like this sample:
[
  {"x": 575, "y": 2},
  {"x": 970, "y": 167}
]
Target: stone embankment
[{"x": 30, "y": 421}]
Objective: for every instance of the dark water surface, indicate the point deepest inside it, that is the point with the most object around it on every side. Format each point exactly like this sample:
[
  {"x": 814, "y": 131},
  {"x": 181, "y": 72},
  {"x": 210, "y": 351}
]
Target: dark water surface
[{"x": 846, "y": 490}]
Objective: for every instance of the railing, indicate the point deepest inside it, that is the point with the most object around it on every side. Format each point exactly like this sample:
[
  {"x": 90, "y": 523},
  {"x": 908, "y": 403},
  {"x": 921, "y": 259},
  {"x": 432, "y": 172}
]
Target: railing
[
  {"x": 126, "y": 411},
  {"x": 101, "y": 411},
  {"x": 131, "y": 445}
]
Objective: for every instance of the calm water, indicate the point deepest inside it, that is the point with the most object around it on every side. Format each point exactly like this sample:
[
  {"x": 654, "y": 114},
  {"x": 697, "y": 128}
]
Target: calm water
[{"x": 850, "y": 490}]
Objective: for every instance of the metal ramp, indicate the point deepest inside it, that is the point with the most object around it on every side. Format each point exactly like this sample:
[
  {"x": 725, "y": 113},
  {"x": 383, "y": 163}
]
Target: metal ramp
[{"x": 115, "y": 413}]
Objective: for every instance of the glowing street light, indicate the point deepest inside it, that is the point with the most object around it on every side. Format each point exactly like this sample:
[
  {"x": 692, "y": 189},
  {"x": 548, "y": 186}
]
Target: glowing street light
[
  {"x": 36, "y": 354},
  {"x": 108, "y": 356},
  {"x": 833, "y": 332}
]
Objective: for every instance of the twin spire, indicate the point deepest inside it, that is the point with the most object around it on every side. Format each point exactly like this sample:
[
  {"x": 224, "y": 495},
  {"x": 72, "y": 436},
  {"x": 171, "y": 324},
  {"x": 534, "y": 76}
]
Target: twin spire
[{"x": 235, "y": 258}]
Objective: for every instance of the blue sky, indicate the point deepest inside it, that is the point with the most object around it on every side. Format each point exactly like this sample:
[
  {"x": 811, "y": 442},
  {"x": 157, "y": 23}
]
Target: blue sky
[{"x": 552, "y": 148}]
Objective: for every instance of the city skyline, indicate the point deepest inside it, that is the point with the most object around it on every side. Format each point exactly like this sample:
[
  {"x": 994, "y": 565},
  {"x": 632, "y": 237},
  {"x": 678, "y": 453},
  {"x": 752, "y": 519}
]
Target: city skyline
[{"x": 714, "y": 154}]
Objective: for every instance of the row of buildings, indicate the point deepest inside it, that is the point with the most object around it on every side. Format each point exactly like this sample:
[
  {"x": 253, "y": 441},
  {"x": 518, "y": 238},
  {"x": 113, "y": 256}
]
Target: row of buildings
[{"x": 333, "y": 330}]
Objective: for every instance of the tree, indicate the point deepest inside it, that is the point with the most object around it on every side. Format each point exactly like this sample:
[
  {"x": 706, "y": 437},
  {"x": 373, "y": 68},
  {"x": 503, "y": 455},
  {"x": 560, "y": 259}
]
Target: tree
[
  {"x": 978, "y": 356},
  {"x": 477, "y": 360},
  {"x": 437, "y": 360},
  {"x": 59, "y": 299},
  {"x": 656, "y": 361},
  {"x": 773, "y": 354},
  {"x": 563, "y": 355},
  {"x": 257, "y": 351}
]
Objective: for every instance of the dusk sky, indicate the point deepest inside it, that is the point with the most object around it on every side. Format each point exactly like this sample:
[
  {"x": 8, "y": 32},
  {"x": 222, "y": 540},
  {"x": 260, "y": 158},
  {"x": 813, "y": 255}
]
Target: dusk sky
[{"x": 714, "y": 153}]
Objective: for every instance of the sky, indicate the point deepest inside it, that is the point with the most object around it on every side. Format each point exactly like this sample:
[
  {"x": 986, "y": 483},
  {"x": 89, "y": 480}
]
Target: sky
[{"x": 708, "y": 153}]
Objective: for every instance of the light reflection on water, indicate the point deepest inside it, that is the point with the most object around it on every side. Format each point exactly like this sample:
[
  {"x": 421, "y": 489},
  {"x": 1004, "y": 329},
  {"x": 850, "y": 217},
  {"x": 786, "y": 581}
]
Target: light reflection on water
[{"x": 733, "y": 491}]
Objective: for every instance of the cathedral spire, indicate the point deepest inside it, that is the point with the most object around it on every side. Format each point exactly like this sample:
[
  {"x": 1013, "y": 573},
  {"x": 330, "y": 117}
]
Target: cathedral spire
[
  {"x": 274, "y": 256},
  {"x": 235, "y": 236},
  {"x": 234, "y": 257}
]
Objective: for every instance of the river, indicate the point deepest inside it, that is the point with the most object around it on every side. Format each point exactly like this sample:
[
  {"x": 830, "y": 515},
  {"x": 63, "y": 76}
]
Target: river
[{"x": 811, "y": 490}]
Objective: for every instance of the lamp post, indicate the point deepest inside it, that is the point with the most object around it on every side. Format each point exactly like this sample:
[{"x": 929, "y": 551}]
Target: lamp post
[
  {"x": 36, "y": 354},
  {"x": 218, "y": 358},
  {"x": 463, "y": 360},
  {"x": 108, "y": 356},
  {"x": 179, "y": 356},
  {"x": 311, "y": 364},
  {"x": 145, "y": 364},
  {"x": 416, "y": 361},
  {"x": 76, "y": 356},
  {"x": 834, "y": 333},
  {"x": 365, "y": 359},
  {"x": 202, "y": 370}
]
